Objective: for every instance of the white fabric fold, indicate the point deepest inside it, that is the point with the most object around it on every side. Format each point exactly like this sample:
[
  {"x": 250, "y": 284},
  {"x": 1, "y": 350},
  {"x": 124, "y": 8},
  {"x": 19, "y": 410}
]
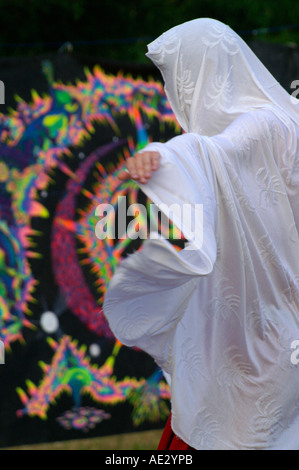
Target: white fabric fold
[{"x": 157, "y": 282}]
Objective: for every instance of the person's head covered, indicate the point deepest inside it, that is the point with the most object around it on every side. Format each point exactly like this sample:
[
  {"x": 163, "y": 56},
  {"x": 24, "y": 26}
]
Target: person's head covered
[{"x": 211, "y": 76}]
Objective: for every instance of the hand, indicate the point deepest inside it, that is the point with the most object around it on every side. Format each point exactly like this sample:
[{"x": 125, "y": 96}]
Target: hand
[{"x": 141, "y": 166}]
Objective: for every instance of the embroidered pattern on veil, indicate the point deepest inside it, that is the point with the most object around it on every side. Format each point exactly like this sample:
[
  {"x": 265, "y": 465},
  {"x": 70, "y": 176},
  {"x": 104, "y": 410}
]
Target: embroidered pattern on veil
[
  {"x": 185, "y": 85},
  {"x": 220, "y": 91},
  {"x": 221, "y": 35},
  {"x": 168, "y": 43}
]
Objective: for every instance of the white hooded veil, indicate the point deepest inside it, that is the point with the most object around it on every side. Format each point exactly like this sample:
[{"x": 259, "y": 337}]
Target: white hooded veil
[
  {"x": 211, "y": 76},
  {"x": 220, "y": 317}
]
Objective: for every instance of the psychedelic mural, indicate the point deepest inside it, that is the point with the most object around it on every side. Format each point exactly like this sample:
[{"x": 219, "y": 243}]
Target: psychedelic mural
[{"x": 65, "y": 376}]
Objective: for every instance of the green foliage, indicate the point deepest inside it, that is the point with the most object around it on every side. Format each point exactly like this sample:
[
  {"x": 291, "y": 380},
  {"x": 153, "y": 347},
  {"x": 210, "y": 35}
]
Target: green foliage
[{"x": 59, "y": 21}]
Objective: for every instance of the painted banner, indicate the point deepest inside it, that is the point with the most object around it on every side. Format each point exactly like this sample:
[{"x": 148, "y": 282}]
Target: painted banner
[{"x": 63, "y": 375}]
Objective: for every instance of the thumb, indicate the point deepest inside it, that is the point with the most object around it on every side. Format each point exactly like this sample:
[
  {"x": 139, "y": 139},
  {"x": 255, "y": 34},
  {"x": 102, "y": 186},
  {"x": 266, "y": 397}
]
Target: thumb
[{"x": 124, "y": 175}]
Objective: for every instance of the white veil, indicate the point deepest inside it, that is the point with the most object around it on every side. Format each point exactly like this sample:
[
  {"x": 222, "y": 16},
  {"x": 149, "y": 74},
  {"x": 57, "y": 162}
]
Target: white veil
[
  {"x": 211, "y": 77},
  {"x": 220, "y": 320}
]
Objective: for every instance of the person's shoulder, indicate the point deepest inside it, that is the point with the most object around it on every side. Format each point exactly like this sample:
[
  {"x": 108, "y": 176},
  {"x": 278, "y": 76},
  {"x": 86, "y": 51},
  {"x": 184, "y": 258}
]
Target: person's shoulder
[
  {"x": 258, "y": 122},
  {"x": 187, "y": 139},
  {"x": 258, "y": 115}
]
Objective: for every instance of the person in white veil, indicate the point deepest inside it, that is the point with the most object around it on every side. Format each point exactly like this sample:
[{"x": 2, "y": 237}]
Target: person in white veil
[{"x": 221, "y": 316}]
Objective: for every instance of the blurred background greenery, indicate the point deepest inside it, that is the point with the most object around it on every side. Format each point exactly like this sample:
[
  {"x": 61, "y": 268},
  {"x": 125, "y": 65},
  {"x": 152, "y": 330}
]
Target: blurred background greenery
[{"x": 120, "y": 30}]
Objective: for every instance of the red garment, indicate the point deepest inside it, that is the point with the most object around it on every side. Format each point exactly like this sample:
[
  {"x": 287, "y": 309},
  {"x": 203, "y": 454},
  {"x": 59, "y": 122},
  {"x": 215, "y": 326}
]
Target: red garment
[{"x": 169, "y": 441}]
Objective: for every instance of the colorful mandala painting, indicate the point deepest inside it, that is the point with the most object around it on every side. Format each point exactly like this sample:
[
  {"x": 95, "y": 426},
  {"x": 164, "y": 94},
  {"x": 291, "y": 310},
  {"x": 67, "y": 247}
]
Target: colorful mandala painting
[{"x": 64, "y": 375}]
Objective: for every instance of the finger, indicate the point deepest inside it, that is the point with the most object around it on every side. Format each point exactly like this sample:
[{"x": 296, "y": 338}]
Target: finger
[
  {"x": 132, "y": 168},
  {"x": 140, "y": 159},
  {"x": 155, "y": 160},
  {"x": 141, "y": 165},
  {"x": 147, "y": 164},
  {"x": 124, "y": 175}
]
